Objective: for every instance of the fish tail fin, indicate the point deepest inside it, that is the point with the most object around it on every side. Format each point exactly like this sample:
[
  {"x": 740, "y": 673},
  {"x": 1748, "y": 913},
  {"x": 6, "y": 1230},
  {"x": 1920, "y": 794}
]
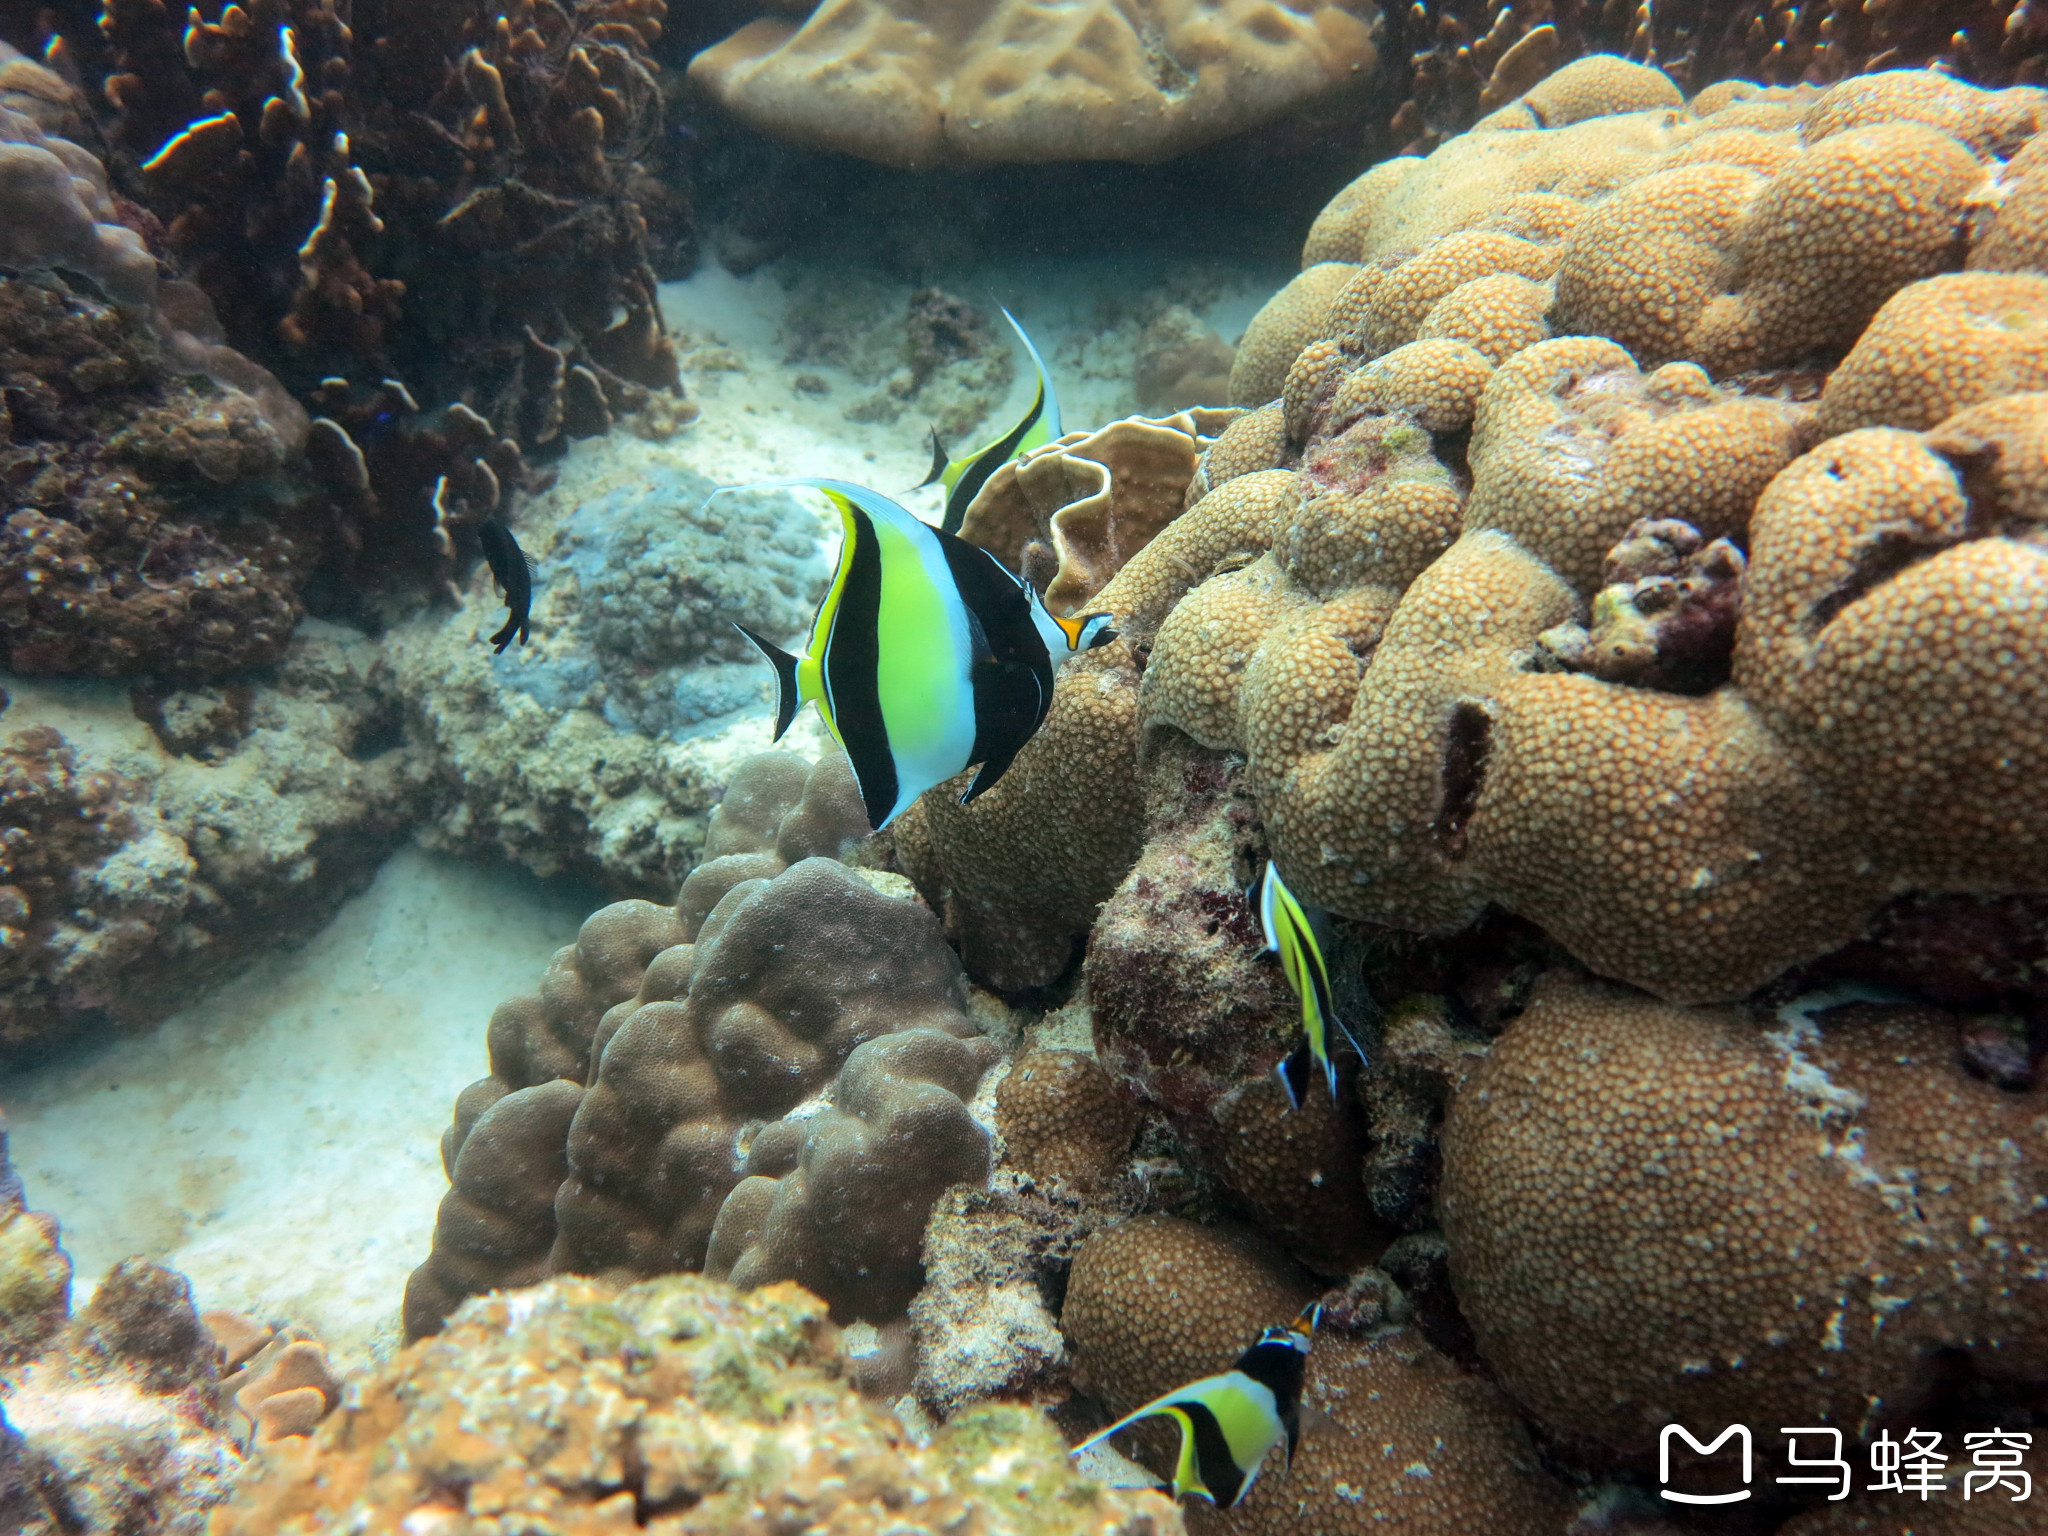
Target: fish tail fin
[
  {"x": 788, "y": 695},
  {"x": 1293, "y": 1073},
  {"x": 939, "y": 463}
]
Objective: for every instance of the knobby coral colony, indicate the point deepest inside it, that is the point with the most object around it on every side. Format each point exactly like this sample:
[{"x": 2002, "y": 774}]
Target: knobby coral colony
[{"x": 432, "y": 222}]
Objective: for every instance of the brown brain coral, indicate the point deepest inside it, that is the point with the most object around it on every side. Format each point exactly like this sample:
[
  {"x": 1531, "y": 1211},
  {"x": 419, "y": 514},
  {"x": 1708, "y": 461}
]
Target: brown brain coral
[
  {"x": 1845, "y": 225},
  {"x": 1664, "y": 1215},
  {"x": 1061, "y": 1118},
  {"x": 1017, "y": 876},
  {"x": 1286, "y": 323},
  {"x": 916, "y": 83}
]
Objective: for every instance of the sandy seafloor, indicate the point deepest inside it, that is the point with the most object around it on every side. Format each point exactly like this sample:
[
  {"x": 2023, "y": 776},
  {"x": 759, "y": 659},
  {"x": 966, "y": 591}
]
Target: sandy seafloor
[{"x": 279, "y": 1142}]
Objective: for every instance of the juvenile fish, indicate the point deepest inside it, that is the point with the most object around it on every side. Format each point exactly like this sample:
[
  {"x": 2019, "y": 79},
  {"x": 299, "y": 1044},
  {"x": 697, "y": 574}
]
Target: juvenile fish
[
  {"x": 1292, "y": 936},
  {"x": 514, "y": 572},
  {"x": 925, "y": 656},
  {"x": 1230, "y": 1423},
  {"x": 963, "y": 478}
]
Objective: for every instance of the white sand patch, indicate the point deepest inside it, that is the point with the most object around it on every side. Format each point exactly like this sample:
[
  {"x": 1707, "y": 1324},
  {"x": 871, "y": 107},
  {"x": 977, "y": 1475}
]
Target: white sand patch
[{"x": 279, "y": 1143}]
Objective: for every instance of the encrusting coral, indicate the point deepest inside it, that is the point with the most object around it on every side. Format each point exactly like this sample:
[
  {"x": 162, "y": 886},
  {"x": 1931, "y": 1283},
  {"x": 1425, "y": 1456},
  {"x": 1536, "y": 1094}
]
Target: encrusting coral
[
  {"x": 622, "y": 1126},
  {"x": 922, "y": 85},
  {"x": 677, "y": 1405}
]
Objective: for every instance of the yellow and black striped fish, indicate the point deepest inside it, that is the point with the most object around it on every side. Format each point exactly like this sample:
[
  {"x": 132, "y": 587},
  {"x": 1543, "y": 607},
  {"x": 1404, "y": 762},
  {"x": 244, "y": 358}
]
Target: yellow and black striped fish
[
  {"x": 925, "y": 657},
  {"x": 964, "y": 478},
  {"x": 1292, "y": 936},
  {"x": 1230, "y": 1423}
]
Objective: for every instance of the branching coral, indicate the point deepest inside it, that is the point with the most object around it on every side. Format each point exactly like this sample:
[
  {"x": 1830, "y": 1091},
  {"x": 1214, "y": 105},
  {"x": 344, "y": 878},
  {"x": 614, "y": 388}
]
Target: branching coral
[{"x": 424, "y": 219}]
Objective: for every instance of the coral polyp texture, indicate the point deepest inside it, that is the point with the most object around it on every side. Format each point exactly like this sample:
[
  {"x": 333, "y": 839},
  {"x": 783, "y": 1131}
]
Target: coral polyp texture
[
  {"x": 915, "y": 84},
  {"x": 1462, "y": 668},
  {"x": 676, "y": 1405},
  {"x": 1415, "y": 1444},
  {"x": 660, "y": 1099},
  {"x": 1877, "y": 1228}
]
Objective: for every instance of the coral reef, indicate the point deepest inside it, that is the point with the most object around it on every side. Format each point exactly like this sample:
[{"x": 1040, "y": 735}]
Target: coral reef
[
  {"x": 1416, "y": 1445},
  {"x": 600, "y": 747},
  {"x": 622, "y": 1128},
  {"x": 432, "y": 224},
  {"x": 1062, "y": 1120},
  {"x": 1190, "y": 1016},
  {"x": 157, "y": 517},
  {"x": 152, "y": 843},
  {"x": 1471, "y": 57},
  {"x": 676, "y": 1405},
  {"x": 914, "y": 86},
  {"x": 1410, "y": 759},
  {"x": 1865, "y": 1244},
  {"x": 1069, "y": 515},
  {"x": 112, "y": 1420}
]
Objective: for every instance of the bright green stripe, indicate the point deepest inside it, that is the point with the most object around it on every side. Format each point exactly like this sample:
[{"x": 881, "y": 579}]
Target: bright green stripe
[{"x": 919, "y": 679}]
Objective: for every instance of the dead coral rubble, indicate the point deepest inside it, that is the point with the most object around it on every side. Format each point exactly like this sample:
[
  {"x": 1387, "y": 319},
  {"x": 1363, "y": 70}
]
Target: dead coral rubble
[
  {"x": 113, "y": 1420},
  {"x": 678, "y": 1405}
]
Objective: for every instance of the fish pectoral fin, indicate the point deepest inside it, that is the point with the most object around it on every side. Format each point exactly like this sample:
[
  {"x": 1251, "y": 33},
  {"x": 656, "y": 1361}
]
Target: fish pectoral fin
[
  {"x": 1294, "y": 1073},
  {"x": 1315, "y": 1424}
]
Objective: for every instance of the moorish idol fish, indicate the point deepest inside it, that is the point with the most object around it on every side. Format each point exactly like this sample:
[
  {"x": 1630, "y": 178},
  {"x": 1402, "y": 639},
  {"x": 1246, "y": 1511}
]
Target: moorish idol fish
[
  {"x": 514, "y": 571},
  {"x": 1292, "y": 936},
  {"x": 925, "y": 657},
  {"x": 964, "y": 478},
  {"x": 1230, "y": 1423}
]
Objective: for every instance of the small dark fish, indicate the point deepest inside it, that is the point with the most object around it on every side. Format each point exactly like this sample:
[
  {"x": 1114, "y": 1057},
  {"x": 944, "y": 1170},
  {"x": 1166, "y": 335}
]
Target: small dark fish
[
  {"x": 1291, "y": 934},
  {"x": 963, "y": 478},
  {"x": 1230, "y": 1423},
  {"x": 514, "y": 570}
]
